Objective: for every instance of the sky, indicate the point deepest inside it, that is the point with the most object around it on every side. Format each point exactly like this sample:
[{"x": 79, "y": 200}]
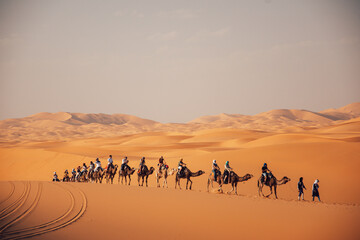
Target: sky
[{"x": 173, "y": 61}]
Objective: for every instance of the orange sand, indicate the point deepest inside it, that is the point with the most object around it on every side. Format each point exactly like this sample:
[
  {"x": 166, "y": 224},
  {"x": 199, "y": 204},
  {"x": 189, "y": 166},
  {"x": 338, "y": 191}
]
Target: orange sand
[{"x": 329, "y": 152}]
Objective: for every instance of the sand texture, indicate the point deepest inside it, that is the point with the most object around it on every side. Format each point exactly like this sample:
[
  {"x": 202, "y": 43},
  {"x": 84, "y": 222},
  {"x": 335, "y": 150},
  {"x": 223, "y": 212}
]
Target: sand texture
[{"x": 294, "y": 143}]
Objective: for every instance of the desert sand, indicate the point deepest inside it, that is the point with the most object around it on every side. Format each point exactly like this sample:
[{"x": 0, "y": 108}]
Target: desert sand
[{"x": 294, "y": 143}]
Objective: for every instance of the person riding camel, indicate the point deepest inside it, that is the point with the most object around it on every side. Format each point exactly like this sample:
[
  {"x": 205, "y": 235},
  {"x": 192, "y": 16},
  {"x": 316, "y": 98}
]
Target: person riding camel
[
  {"x": 73, "y": 172},
  {"x": 91, "y": 167},
  {"x": 98, "y": 165},
  {"x": 181, "y": 167},
  {"x": 161, "y": 162},
  {"x": 84, "y": 169},
  {"x": 141, "y": 165},
  {"x": 227, "y": 172},
  {"x": 265, "y": 173},
  {"x": 66, "y": 175},
  {"x": 124, "y": 164},
  {"x": 110, "y": 163},
  {"x": 78, "y": 172},
  {"x": 215, "y": 169},
  {"x": 55, "y": 178}
]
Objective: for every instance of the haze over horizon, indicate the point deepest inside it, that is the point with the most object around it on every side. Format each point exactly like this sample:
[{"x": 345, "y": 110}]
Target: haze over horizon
[{"x": 176, "y": 61}]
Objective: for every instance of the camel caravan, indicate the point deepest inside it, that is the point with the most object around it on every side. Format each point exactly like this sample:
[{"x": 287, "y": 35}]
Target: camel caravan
[{"x": 94, "y": 173}]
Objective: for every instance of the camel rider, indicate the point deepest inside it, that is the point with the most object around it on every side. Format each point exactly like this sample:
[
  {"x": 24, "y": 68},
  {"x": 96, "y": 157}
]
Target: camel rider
[
  {"x": 84, "y": 169},
  {"x": 78, "y": 171},
  {"x": 264, "y": 170},
  {"x": 124, "y": 164},
  {"x": 98, "y": 165},
  {"x": 227, "y": 171},
  {"x": 66, "y": 175},
  {"x": 110, "y": 163},
  {"x": 91, "y": 167},
  {"x": 73, "y": 172},
  {"x": 161, "y": 162},
  {"x": 55, "y": 178},
  {"x": 215, "y": 169},
  {"x": 141, "y": 165},
  {"x": 181, "y": 167}
]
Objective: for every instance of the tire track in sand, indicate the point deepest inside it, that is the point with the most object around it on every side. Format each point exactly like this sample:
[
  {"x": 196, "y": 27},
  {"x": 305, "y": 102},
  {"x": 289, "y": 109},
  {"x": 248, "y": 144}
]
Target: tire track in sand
[
  {"x": 18, "y": 203},
  {"x": 10, "y": 194},
  {"x": 71, "y": 208},
  {"x": 26, "y": 212},
  {"x": 53, "y": 225}
]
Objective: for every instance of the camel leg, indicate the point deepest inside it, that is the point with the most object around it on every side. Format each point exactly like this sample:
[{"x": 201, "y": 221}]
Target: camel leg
[
  {"x": 147, "y": 176},
  {"x": 129, "y": 180},
  {"x": 275, "y": 191},
  {"x": 138, "y": 180},
  {"x": 236, "y": 188},
  {"x": 157, "y": 181},
  {"x": 232, "y": 185},
  {"x": 208, "y": 183},
  {"x": 190, "y": 183},
  {"x": 271, "y": 192},
  {"x": 178, "y": 182},
  {"x": 187, "y": 183},
  {"x": 260, "y": 188}
]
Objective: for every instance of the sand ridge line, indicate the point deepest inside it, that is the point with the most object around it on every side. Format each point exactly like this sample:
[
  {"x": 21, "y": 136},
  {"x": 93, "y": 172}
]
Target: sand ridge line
[
  {"x": 26, "y": 212},
  {"x": 69, "y": 210},
  {"x": 18, "y": 203},
  {"x": 62, "y": 225},
  {"x": 10, "y": 194}
]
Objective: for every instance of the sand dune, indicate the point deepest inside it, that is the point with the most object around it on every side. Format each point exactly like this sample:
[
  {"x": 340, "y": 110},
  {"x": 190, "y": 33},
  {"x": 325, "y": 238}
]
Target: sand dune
[
  {"x": 78, "y": 125},
  {"x": 294, "y": 143}
]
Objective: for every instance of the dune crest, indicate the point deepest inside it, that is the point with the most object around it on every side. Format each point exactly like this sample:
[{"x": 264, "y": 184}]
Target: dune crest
[{"x": 64, "y": 125}]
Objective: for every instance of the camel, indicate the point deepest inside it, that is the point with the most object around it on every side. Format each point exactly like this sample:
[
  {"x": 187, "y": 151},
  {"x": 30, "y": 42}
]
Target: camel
[
  {"x": 145, "y": 174},
  {"x": 66, "y": 177},
  {"x": 98, "y": 175},
  {"x": 90, "y": 176},
  {"x": 109, "y": 176},
  {"x": 235, "y": 179},
  {"x": 219, "y": 180},
  {"x": 83, "y": 177},
  {"x": 272, "y": 182},
  {"x": 163, "y": 172},
  {"x": 73, "y": 177},
  {"x": 187, "y": 174},
  {"x": 127, "y": 172}
]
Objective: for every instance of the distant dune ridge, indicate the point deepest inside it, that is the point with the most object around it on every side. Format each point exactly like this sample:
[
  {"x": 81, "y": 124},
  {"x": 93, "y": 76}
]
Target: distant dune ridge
[{"x": 73, "y": 125}]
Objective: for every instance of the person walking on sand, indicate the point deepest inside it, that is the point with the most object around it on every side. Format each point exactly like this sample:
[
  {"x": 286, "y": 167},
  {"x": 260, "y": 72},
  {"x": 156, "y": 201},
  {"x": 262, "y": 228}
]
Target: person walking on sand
[
  {"x": 301, "y": 188},
  {"x": 315, "y": 190}
]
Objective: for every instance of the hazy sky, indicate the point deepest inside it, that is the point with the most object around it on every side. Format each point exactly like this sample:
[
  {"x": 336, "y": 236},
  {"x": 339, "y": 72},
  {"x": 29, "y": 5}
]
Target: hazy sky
[{"x": 173, "y": 61}]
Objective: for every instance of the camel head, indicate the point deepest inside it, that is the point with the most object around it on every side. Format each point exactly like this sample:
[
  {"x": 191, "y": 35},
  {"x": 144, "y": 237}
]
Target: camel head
[
  {"x": 248, "y": 176},
  {"x": 285, "y": 180},
  {"x": 172, "y": 171},
  {"x": 201, "y": 172}
]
